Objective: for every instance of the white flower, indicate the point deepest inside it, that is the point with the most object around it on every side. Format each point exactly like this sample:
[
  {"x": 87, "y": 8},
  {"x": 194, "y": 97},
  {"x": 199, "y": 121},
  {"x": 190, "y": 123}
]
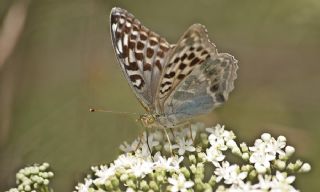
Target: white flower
[
  {"x": 214, "y": 155},
  {"x": 172, "y": 163},
  {"x": 144, "y": 152},
  {"x": 264, "y": 182},
  {"x": 124, "y": 160},
  {"x": 217, "y": 142},
  {"x": 141, "y": 167},
  {"x": 281, "y": 182},
  {"x": 277, "y": 146},
  {"x": 135, "y": 164},
  {"x": 84, "y": 187},
  {"x": 230, "y": 174},
  {"x": 261, "y": 156},
  {"x": 103, "y": 174},
  {"x": 184, "y": 145},
  {"x": 180, "y": 184},
  {"x": 125, "y": 147},
  {"x": 217, "y": 130}
]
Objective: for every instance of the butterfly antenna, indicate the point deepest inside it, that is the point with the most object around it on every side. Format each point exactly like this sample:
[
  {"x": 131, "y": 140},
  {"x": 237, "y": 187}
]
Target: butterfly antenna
[{"x": 109, "y": 111}]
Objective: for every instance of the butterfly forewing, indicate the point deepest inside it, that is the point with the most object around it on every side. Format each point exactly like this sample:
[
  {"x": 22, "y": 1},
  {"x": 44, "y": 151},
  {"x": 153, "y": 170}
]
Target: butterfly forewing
[{"x": 141, "y": 53}]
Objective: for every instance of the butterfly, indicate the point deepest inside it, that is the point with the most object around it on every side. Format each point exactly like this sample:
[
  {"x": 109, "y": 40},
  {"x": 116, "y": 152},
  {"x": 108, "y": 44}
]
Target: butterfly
[{"x": 173, "y": 82}]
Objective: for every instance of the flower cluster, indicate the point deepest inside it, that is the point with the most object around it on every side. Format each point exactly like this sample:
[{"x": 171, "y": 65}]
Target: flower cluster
[
  {"x": 33, "y": 178},
  {"x": 198, "y": 159}
]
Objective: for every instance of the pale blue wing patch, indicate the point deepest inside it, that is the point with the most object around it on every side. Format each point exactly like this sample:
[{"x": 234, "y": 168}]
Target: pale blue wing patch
[
  {"x": 207, "y": 87},
  {"x": 191, "y": 50}
]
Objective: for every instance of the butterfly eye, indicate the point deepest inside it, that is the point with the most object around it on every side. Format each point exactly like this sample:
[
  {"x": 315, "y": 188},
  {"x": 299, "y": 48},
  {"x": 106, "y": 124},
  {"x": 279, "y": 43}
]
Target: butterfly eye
[{"x": 151, "y": 119}]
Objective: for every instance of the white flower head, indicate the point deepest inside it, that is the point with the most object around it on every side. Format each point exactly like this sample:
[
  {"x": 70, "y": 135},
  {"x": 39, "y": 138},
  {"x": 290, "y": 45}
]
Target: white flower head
[
  {"x": 265, "y": 161},
  {"x": 180, "y": 183}
]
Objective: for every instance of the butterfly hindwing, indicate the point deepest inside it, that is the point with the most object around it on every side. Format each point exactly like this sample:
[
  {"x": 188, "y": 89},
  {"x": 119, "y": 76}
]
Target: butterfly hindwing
[
  {"x": 141, "y": 52},
  {"x": 191, "y": 50},
  {"x": 207, "y": 87}
]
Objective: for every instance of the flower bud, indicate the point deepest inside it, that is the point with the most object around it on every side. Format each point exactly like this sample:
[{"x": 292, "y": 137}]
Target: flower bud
[
  {"x": 266, "y": 136},
  {"x": 289, "y": 150},
  {"x": 306, "y": 167}
]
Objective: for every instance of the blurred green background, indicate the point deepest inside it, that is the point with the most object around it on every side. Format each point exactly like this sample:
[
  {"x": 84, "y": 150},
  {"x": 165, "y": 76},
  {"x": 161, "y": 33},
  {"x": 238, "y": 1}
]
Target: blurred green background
[{"x": 57, "y": 61}]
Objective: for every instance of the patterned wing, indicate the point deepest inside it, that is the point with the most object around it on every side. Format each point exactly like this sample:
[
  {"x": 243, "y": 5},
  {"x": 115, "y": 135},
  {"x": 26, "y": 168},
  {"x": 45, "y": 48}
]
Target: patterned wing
[
  {"x": 193, "y": 48},
  {"x": 207, "y": 87},
  {"x": 141, "y": 54}
]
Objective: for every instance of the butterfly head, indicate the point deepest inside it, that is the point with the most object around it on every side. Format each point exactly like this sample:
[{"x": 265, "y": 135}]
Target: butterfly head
[{"x": 148, "y": 120}]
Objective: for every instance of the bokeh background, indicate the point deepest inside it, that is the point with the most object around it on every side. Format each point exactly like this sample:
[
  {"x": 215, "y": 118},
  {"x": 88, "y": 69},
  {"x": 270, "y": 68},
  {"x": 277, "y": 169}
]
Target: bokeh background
[{"x": 57, "y": 61}]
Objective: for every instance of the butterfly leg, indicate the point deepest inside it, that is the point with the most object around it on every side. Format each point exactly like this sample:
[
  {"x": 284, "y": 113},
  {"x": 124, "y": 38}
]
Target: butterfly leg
[
  {"x": 140, "y": 141},
  {"x": 168, "y": 138},
  {"x": 172, "y": 132},
  {"x": 189, "y": 127},
  {"x": 147, "y": 140}
]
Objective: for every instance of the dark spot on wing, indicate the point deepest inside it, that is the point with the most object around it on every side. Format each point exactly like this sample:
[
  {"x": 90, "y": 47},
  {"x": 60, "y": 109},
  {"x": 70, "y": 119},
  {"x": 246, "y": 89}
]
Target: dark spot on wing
[
  {"x": 125, "y": 52},
  {"x": 131, "y": 44},
  {"x": 204, "y": 52},
  {"x": 133, "y": 66},
  {"x": 176, "y": 60},
  {"x": 182, "y": 66},
  {"x": 184, "y": 56},
  {"x": 199, "y": 48},
  {"x": 220, "y": 98},
  {"x": 150, "y": 52},
  {"x": 133, "y": 37},
  {"x": 170, "y": 75},
  {"x": 140, "y": 45},
  {"x": 194, "y": 61},
  {"x": 139, "y": 56},
  {"x": 191, "y": 56},
  {"x": 135, "y": 78},
  {"x": 147, "y": 67},
  {"x": 181, "y": 76},
  {"x": 214, "y": 88},
  {"x": 158, "y": 64},
  {"x": 160, "y": 54},
  {"x": 166, "y": 83}
]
